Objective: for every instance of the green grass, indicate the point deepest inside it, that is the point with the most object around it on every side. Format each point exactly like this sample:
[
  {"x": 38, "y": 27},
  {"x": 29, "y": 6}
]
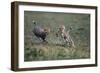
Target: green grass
[
  {"x": 34, "y": 50},
  {"x": 43, "y": 51}
]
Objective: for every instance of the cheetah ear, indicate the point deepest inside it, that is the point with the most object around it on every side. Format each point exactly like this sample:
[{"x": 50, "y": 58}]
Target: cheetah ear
[
  {"x": 34, "y": 22},
  {"x": 71, "y": 28}
]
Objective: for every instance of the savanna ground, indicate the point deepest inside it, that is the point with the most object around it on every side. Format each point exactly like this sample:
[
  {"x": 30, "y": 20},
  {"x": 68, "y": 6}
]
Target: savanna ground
[{"x": 55, "y": 49}]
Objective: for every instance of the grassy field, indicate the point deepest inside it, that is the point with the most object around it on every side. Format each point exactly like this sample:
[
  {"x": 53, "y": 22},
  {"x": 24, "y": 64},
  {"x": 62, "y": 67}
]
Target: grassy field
[
  {"x": 54, "y": 52},
  {"x": 35, "y": 50}
]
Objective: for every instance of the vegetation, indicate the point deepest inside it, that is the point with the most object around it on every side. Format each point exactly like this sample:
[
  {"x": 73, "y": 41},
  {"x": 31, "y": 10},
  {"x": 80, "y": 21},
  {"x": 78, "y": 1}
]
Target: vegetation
[{"x": 55, "y": 49}]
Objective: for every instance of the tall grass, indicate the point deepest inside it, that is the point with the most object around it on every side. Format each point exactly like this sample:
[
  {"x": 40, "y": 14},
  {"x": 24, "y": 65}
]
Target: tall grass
[
  {"x": 43, "y": 51},
  {"x": 55, "y": 49}
]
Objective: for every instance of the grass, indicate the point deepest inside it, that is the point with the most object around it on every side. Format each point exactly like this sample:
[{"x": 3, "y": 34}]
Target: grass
[
  {"x": 35, "y": 50},
  {"x": 46, "y": 51}
]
